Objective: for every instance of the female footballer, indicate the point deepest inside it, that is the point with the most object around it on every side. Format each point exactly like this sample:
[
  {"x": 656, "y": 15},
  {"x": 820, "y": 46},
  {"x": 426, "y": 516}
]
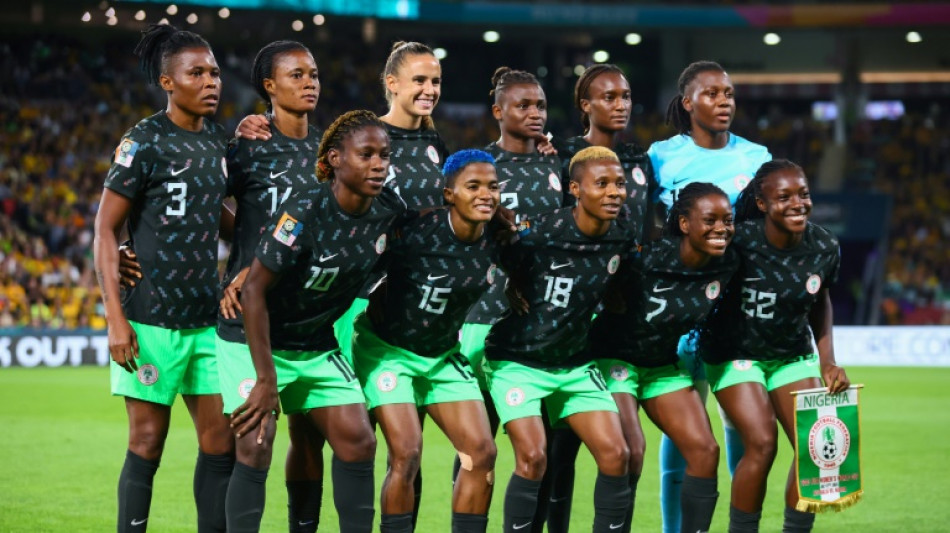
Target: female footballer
[
  {"x": 316, "y": 255},
  {"x": 560, "y": 267},
  {"x": 757, "y": 345},
  {"x": 166, "y": 184},
  {"x": 669, "y": 287},
  {"x": 703, "y": 150},
  {"x": 406, "y": 351}
]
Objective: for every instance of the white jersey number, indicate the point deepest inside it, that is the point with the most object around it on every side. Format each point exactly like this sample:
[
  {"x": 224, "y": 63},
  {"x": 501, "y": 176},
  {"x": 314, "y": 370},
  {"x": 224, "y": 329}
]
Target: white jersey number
[{"x": 177, "y": 206}]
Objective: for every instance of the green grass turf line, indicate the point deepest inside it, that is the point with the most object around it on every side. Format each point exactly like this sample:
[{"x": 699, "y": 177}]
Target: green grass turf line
[{"x": 64, "y": 440}]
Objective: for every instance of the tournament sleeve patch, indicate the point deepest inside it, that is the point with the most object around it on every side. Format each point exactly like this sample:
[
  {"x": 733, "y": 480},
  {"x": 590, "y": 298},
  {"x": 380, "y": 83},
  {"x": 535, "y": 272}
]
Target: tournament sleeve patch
[
  {"x": 125, "y": 152},
  {"x": 287, "y": 229}
]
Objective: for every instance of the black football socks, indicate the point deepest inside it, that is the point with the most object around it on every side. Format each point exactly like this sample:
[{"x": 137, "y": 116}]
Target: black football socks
[
  {"x": 521, "y": 499},
  {"x": 797, "y": 521},
  {"x": 212, "y": 475},
  {"x": 304, "y": 499},
  {"x": 245, "y": 501},
  {"x": 353, "y": 495},
  {"x": 135, "y": 492},
  {"x": 698, "y": 502},
  {"x": 611, "y": 501}
]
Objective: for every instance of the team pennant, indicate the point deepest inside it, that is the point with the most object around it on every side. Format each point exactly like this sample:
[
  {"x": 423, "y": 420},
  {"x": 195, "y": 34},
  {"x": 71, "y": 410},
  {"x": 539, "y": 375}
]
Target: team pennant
[{"x": 828, "y": 449}]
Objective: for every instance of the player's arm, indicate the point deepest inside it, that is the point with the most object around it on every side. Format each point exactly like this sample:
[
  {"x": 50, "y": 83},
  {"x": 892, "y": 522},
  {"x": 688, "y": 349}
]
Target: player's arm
[
  {"x": 820, "y": 320},
  {"x": 113, "y": 211},
  {"x": 226, "y": 229},
  {"x": 263, "y": 399}
]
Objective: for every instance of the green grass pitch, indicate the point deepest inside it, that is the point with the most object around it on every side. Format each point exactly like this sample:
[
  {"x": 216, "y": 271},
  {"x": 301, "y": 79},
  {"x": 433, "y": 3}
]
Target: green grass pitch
[{"x": 64, "y": 440}]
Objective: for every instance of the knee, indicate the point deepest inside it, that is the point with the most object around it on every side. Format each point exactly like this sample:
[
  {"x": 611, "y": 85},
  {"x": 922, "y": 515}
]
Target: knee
[
  {"x": 531, "y": 463},
  {"x": 358, "y": 449},
  {"x": 254, "y": 454},
  {"x": 147, "y": 440},
  {"x": 217, "y": 439},
  {"x": 404, "y": 458},
  {"x": 760, "y": 445},
  {"x": 704, "y": 457},
  {"x": 613, "y": 459},
  {"x": 481, "y": 456},
  {"x": 637, "y": 453}
]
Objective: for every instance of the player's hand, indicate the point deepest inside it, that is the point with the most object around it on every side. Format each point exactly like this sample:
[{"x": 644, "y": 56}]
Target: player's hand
[
  {"x": 123, "y": 344},
  {"x": 130, "y": 271},
  {"x": 253, "y": 127},
  {"x": 261, "y": 404},
  {"x": 503, "y": 224},
  {"x": 544, "y": 146},
  {"x": 835, "y": 378},
  {"x": 231, "y": 301},
  {"x": 516, "y": 300}
]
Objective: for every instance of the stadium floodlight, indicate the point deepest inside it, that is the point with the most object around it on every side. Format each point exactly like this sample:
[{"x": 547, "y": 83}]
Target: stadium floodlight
[
  {"x": 579, "y": 70},
  {"x": 297, "y": 25},
  {"x": 319, "y": 19},
  {"x": 601, "y": 56},
  {"x": 192, "y": 18},
  {"x": 140, "y": 14},
  {"x": 86, "y": 17},
  {"x": 172, "y": 9},
  {"x": 491, "y": 36},
  {"x": 633, "y": 39},
  {"x": 440, "y": 53},
  {"x": 112, "y": 21},
  {"x": 542, "y": 71},
  {"x": 110, "y": 12},
  {"x": 163, "y": 21},
  {"x": 771, "y": 39},
  {"x": 224, "y": 12},
  {"x": 914, "y": 37}
]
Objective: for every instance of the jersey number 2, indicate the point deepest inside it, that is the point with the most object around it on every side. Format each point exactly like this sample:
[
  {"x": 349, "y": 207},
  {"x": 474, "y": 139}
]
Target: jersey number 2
[{"x": 758, "y": 304}]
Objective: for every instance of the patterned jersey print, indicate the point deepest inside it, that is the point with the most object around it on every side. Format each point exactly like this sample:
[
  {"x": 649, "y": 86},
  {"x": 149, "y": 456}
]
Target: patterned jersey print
[
  {"x": 322, "y": 256},
  {"x": 563, "y": 275},
  {"x": 261, "y": 176},
  {"x": 415, "y": 166},
  {"x": 176, "y": 180},
  {"x": 663, "y": 301},
  {"x": 764, "y": 313},
  {"x": 432, "y": 281}
]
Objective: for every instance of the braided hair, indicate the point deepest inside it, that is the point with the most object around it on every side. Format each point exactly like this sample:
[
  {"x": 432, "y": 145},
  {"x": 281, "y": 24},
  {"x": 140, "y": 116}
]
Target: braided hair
[
  {"x": 342, "y": 127},
  {"x": 397, "y": 58},
  {"x": 746, "y": 208},
  {"x": 582, "y": 87},
  {"x": 686, "y": 200},
  {"x": 676, "y": 114},
  {"x": 505, "y": 77},
  {"x": 160, "y": 43},
  {"x": 264, "y": 65}
]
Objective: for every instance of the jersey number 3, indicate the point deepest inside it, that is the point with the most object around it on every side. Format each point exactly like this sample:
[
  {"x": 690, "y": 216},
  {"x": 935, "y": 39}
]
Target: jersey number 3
[{"x": 177, "y": 204}]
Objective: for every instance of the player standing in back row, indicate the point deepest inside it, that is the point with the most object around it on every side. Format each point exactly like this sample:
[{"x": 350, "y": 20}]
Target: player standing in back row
[{"x": 167, "y": 182}]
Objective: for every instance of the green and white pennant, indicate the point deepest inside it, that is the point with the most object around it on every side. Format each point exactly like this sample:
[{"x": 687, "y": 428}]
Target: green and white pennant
[{"x": 828, "y": 449}]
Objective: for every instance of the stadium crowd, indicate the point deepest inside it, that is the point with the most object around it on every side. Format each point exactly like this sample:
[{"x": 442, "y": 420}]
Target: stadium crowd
[{"x": 62, "y": 106}]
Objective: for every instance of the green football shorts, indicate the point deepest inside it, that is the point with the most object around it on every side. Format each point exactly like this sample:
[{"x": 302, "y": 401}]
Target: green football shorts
[
  {"x": 305, "y": 379},
  {"x": 770, "y": 374},
  {"x": 171, "y": 362},
  {"x": 343, "y": 327},
  {"x": 517, "y": 391},
  {"x": 472, "y": 340},
  {"x": 643, "y": 383},
  {"x": 391, "y": 374}
]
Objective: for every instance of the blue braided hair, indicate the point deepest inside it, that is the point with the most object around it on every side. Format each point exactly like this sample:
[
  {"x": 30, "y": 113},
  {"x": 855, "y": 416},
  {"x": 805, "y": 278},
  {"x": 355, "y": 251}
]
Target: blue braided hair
[{"x": 456, "y": 163}]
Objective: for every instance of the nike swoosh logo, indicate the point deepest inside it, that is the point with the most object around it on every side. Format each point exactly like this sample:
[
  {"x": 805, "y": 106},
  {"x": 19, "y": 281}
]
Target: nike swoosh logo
[
  {"x": 433, "y": 278},
  {"x": 307, "y": 523},
  {"x": 139, "y": 522},
  {"x": 279, "y": 174},
  {"x": 555, "y": 266},
  {"x": 502, "y": 183},
  {"x": 179, "y": 171},
  {"x": 616, "y": 526},
  {"x": 520, "y": 526},
  {"x": 753, "y": 279},
  {"x": 556, "y": 500},
  {"x": 656, "y": 288},
  {"x": 328, "y": 257}
]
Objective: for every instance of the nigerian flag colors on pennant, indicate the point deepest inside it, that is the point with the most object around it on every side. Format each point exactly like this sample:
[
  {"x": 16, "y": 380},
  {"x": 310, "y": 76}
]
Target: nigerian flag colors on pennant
[{"x": 828, "y": 449}]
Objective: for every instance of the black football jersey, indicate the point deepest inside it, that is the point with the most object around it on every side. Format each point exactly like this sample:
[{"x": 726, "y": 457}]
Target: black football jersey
[
  {"x": 176, "y": 180},
  {"x": 664, "y": 300},
  {"x": 566, "y": 275},
  {"x": 433, "y": 279},
  {"x": 415, "y": 166},
  {"x": 530, "y": 185},
  {"x": 323, "y": 257},
  {"x": 261, "y": 176},
  {"x": 764, "y": 312},
  {"x": 637, "y": 169}
]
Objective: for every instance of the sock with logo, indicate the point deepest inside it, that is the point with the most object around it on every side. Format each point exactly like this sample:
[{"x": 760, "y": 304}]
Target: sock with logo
[
  {"x": 135, "y": 492},
  {"x": 212, "y": 476},
  {"x": 672, "y": 470},
  {"x": 245, "y": 501},
  {"x": 469, "y": 523},
  {"x": 561, "y": 458},
  {"x": 521, "y": 499},
  {"x": 699, "y": 503},
  {"x": 417, "y": 487},
  {"x": 395, "y": 523},
  {"x": 797, "y": 521},
  {"x": 611, "y": 501},
  {"x": 303, "y": 505},
  {"x": 743, "y": 522},
  {"x": 353, "y": 495}
]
